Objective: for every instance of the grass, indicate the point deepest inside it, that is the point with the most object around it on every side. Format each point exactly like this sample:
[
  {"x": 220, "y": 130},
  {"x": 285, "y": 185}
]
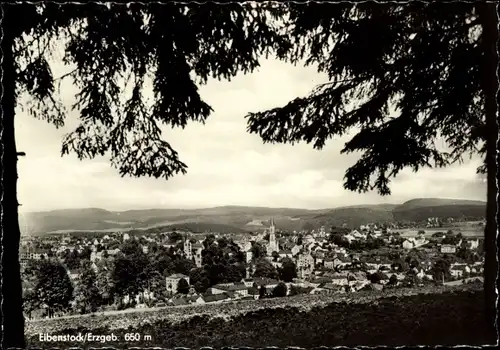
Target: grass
[{"x": 439, "y": 316}]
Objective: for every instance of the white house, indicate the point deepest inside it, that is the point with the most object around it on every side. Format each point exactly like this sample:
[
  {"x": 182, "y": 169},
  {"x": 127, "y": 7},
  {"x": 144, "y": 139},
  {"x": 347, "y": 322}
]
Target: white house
[
  {"x": 296, "y": 249},
  {"x": 340, "y": 279},
  {"x": 305, "y": 264},
  {"x": 248, "y": 256},
  {"x": 473, "y": 243},
  {"x": 285, "y": 254},
  {"x": 448, "y": 249},
  {"x": 172, "y": 281},
  {"x": 407, "y": 244}
]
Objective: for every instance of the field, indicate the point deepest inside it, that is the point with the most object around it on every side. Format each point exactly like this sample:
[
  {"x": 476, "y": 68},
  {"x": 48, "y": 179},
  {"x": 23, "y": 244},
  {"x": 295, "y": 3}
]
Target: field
[
  {"x": 466, "y": 230},
  {"x": 437, "y": 316}
]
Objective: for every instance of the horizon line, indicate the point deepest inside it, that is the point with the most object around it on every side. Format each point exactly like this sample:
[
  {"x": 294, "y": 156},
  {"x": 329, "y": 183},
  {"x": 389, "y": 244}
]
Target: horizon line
[{"x": 243, "y": 206}]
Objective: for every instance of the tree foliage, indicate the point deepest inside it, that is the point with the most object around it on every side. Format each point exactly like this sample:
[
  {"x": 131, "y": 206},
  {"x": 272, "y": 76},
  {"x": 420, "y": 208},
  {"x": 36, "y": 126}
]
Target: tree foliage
[
  {"x": 130, "y": 270},
  {"x": 441, "y": 270},
  {"x": 87, "y": 293},
  {"x": 280, "y": 290},
  {"x": 199, "y": 279},
  {"x": 176, "y": 46},
  {"x": 264, "y": 268},
  {"x": 288, "y": 270},
  {"x": 183, "y": 286},
  {"x": 258, "y": 251},
  {"x": 401, "y": 75},
  {"x": 53, "y": 288},
  {"x": 223, "y": 262}
]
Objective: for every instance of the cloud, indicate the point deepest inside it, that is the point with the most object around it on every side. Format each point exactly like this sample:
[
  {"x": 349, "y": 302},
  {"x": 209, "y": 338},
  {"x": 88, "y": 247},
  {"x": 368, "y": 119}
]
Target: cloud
[{"x": 226, "y": 164}]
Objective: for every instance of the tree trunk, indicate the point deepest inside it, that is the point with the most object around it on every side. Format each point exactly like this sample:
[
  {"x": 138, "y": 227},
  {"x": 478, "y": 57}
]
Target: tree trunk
[
  {"x": 489, "y": 21},
  {"x": 12, "y": 308}
]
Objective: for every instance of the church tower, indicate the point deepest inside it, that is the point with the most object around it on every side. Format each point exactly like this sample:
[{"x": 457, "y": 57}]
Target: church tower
[{"x": 273, "y": 245}]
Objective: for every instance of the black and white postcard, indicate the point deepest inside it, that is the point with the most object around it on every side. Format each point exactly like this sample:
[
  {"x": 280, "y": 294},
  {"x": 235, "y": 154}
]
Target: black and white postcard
[{"x": 249, "y": 174}]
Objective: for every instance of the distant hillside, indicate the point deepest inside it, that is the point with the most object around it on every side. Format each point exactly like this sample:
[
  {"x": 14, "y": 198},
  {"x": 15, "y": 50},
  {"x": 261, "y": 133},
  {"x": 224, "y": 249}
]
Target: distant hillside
[
  {"x": 442, "y": 211},
  {"x": 202, "y": 227},
  {"x": 375, "y": 207},
  {"x": 352, "y": 217},
  {"x": 241, "y": 219},
  {"x": 434, "y": 202}
]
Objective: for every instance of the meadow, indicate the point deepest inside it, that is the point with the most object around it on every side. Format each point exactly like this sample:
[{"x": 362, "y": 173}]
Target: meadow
[
  {"x": 466, "y": 230},
  {"x": 432, "y": 316}
]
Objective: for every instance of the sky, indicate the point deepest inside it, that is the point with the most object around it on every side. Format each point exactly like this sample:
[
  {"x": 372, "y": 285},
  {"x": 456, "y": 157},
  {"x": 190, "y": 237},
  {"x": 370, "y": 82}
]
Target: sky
[{"x": 226, "y": 165}]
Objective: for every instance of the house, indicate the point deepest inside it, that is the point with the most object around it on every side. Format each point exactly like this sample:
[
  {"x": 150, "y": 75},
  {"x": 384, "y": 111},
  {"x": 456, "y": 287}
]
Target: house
[
  {"x": 235, "y": 289},
  {"x": 252, "y": 292},
  {"x": 350, "y": 238},
  {"x": 285, "y": 254},
  {"x": 296, "y": 249},
  {"x": 357, "y": 285},
  {"x": 356, "y": 277},
  {"x": 197, "y": 250},
  {"x": 319, "y": 255},
  {"x": 23, "y": 262},
  {"x": 172, "y": 281},
  {"x": 179, "y": 302},
  {"x": 248, "y": 256},
  {"x": 309, "y": 239},
  {"x": 384, "y": 267},
  {"x": 458, "y": 271},
  {"x": 113, "y": 252},
  {"x": 448, "y": 249},
  {"x": 74, "y": 274},
  {"x": 244, "y": 245},
  {"x": 248, "y": 282},
  {"x": 266, "y": 282},
  {"x": 239, "y": 289},
  {"x": 217, "y": 289},
  {"x": 216, "y": 298},
  {"x": 95, "y": 256},
  {"x": 340, "y": 262},
  {"x": 329, "y": 263},
  {"x": 144, "y": 295},
  {"x": 340, "y": 279},
  {"x": 473, "y": 244},
  {"x": 196, "y": 299},
  {"x": 305, "y": 264},
  {"x": 407, "y": 244},
  {"x": 276, "y": 264},
  {"x": 340, "y": 250}
]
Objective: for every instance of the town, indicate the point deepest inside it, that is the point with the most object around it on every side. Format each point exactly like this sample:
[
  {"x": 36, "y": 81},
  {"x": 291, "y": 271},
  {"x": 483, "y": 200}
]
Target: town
[{"x": 78, "y": 273}]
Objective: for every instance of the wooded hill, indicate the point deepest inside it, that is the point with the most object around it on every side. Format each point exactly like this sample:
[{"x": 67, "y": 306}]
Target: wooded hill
[{"x": 228, "y": 219}]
